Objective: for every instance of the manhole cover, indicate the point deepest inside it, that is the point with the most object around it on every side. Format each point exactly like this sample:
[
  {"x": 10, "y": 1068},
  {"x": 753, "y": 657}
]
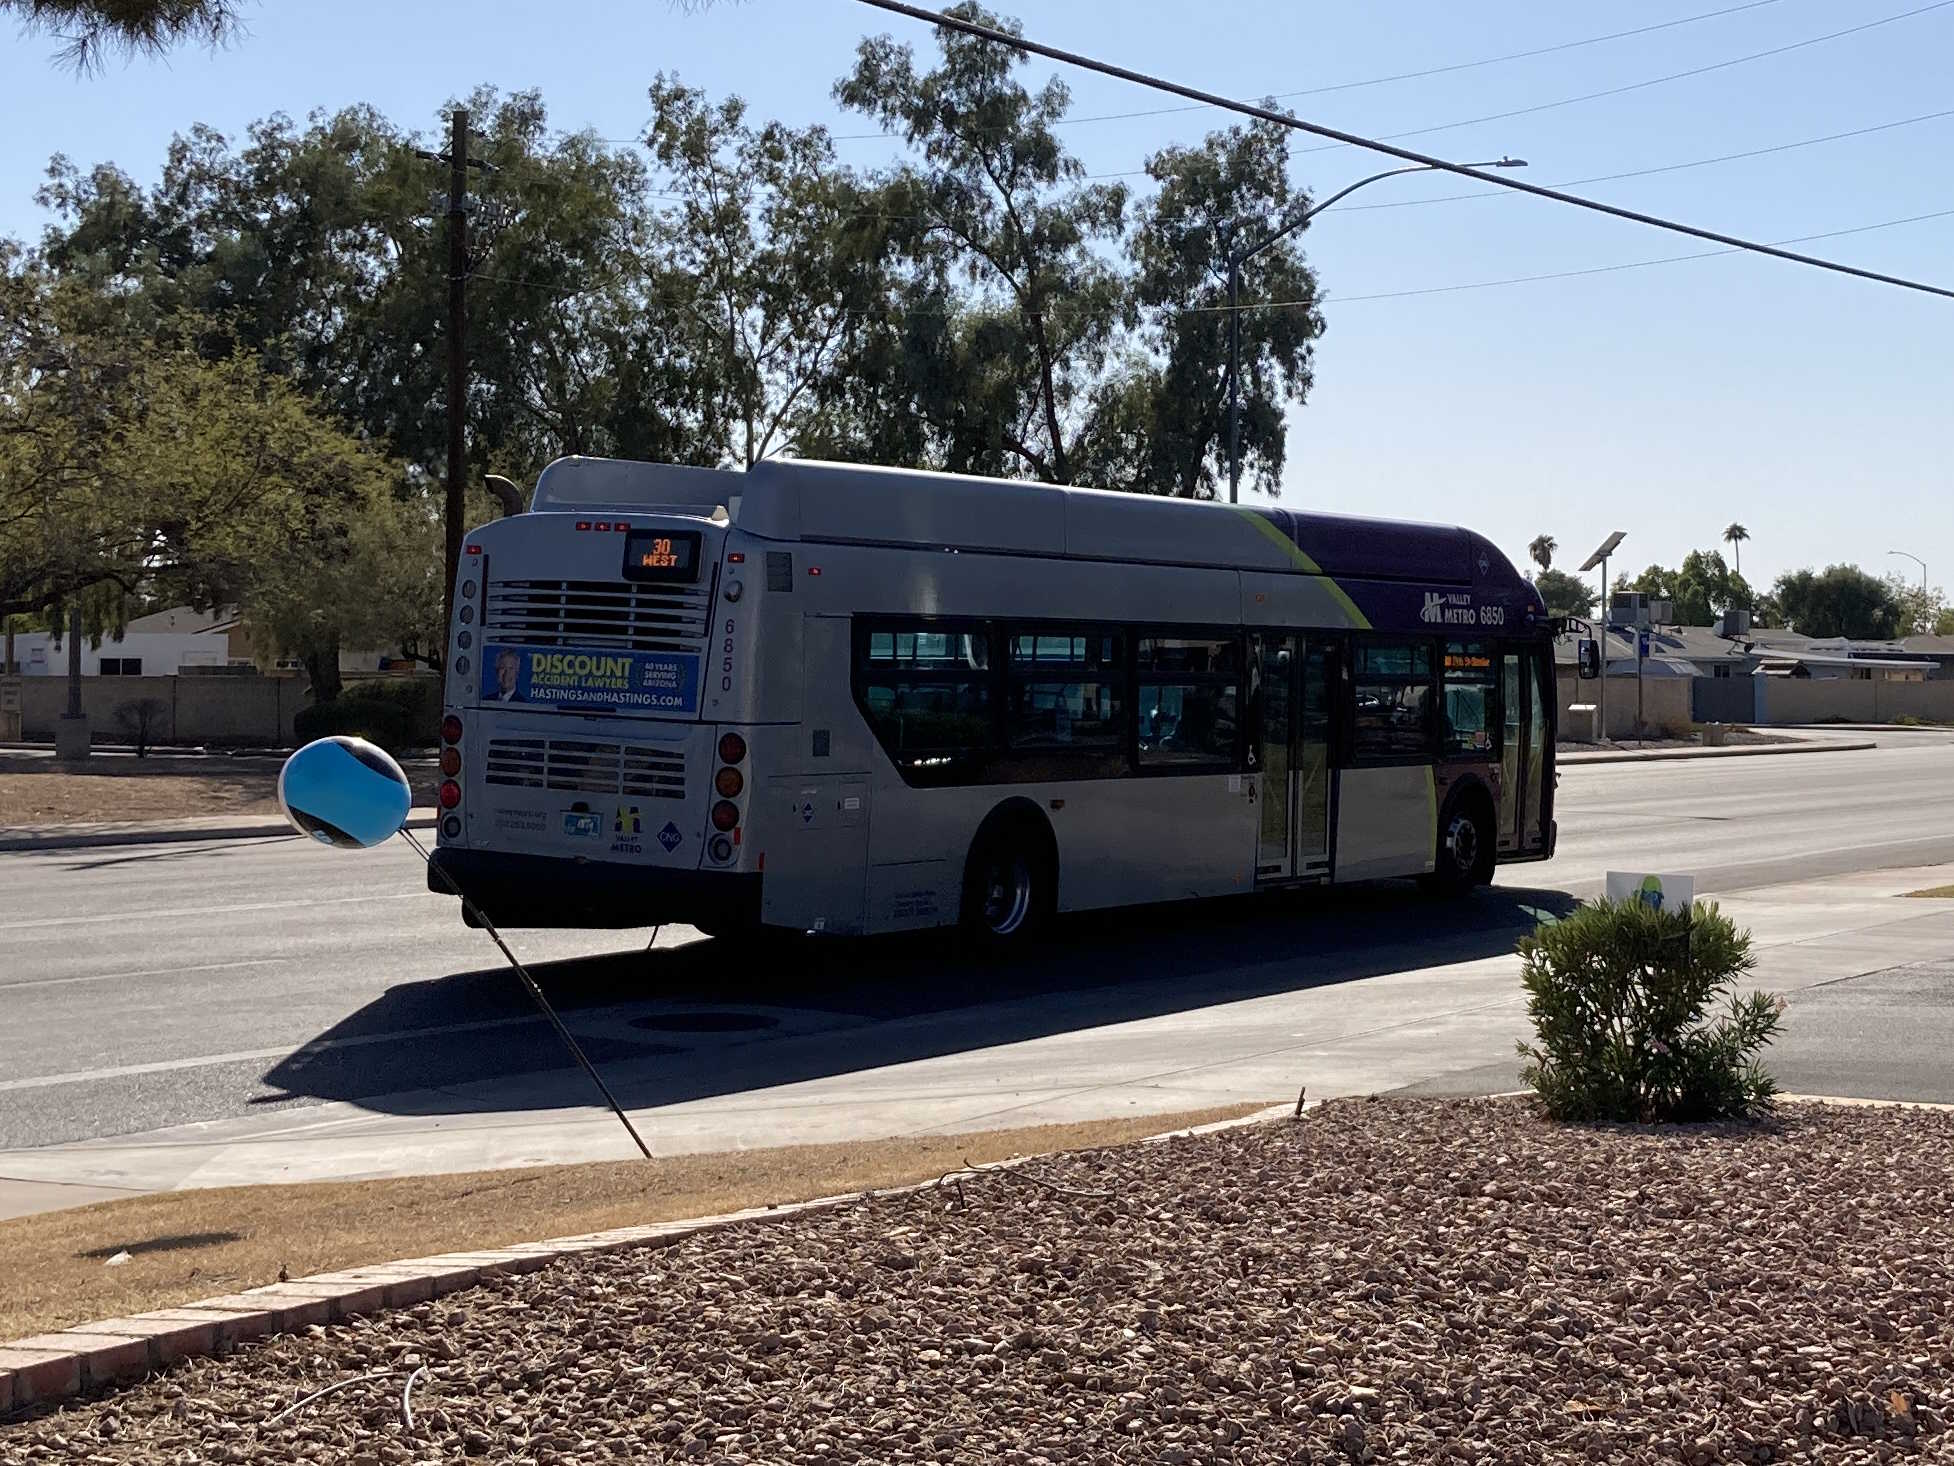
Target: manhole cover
[{"x": 705, "y": 1022}]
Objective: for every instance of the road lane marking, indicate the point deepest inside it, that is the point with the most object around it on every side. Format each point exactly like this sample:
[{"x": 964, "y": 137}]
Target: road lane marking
[
  {"x": 46, "y": 921},
  {"x": 239, "y": 1056},
  {"x": 49, "y": 982}
]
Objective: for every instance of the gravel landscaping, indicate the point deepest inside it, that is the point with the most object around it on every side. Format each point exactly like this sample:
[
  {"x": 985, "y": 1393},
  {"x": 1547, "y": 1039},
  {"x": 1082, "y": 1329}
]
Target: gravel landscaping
[{"x": 1385, "y": 1281}]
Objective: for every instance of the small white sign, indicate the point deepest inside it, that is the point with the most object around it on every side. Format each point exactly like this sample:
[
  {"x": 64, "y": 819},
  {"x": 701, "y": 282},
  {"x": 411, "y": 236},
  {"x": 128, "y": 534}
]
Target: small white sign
[{"x": 1663, "y": 892}]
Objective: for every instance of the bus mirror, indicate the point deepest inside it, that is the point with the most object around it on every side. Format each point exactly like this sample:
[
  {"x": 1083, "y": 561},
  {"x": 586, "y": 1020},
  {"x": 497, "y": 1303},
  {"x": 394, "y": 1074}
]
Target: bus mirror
[{"x": 1590, "y": 658}]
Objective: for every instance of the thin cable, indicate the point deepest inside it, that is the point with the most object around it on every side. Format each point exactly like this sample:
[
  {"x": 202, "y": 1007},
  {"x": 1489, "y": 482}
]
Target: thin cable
[
  {"x": 655, "y": 298},
  {"x": 1634, "y": 86},
  {"x": 1378, "y": 81},
  {"x": 569, "y": 1040},
  {"x": 1830, "y": 137},
  {"x": 1105, "y": 68},
  {"x": 1707, "y": 254}
]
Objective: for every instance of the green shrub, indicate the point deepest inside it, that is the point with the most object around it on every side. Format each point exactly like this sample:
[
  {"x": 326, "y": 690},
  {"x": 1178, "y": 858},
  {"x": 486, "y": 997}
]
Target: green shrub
[
  {"x": 398, "y": 714},
  {"x": 1620, "y": 995}
]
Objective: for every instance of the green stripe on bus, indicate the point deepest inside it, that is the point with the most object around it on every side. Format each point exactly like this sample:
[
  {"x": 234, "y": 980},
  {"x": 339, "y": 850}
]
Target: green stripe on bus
[{"x": 1303, "y": 562}]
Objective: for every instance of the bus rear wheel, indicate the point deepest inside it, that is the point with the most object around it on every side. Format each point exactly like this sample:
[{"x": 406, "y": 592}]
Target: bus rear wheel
[
  {"x": 1465, "y": 848},
  {"x": 1007, "y": 887}
]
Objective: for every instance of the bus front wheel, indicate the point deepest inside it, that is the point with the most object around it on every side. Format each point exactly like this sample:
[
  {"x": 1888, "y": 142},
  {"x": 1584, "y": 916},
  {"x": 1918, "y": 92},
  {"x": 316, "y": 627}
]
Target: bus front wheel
[
  {"x": 1007, "y": 886},
  {"x": 1465, "y": 848}
]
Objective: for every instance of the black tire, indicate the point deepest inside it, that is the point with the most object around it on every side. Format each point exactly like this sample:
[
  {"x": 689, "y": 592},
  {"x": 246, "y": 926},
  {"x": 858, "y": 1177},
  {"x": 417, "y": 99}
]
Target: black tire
[
  {"x": 1464, "y": 857},
  {"x": 1009, "y": 886}
]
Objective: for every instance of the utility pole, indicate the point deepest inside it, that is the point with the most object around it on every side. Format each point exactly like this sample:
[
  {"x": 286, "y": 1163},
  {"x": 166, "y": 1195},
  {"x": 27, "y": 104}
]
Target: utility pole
[
  {"x": 1234, "y": 371},
  {"x": 455, "y": 502},
  {"x": 455, "y": 508}
]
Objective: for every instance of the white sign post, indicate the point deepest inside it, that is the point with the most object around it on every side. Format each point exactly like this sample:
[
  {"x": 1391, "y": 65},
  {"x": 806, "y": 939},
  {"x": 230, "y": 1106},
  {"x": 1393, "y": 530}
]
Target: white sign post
[{"x": 1663, "y": 892}]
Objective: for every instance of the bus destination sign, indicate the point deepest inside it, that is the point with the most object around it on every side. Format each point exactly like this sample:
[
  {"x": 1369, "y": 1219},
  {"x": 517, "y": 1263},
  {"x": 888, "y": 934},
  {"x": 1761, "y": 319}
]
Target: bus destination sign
[
  {"x": 642, "y": 682},
  {"x": 662, "y": 555}
]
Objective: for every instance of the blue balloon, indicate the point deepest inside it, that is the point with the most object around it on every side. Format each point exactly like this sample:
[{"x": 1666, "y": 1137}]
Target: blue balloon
[{"x": 344, "y": 792}]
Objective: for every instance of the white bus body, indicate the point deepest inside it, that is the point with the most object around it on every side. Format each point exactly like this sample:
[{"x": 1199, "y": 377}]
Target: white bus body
[{"x": 836, "y": 692}]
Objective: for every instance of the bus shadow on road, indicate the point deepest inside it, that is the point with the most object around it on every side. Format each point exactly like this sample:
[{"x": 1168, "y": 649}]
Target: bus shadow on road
[{"x": 710, "y": 1018}]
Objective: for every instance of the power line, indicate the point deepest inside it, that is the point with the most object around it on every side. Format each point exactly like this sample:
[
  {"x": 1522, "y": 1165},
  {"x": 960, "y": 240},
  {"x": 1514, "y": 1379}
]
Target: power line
[
  {"x": 1655, "y": 81},
  {"x": 665, "y": 299},
  {"x": 1706, "y": 254},
  {"x": 1830, "y": 137},
  {"x": 1073, "y": 58},
  {"x": 1488, "y": 193},
  {"x": 1634, "y": 86},
  {"x": 1377, "y": 81}
]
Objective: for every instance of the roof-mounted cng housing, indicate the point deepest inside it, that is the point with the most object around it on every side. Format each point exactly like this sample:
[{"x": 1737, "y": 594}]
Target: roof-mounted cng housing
[{"x": 839, "y": 503}]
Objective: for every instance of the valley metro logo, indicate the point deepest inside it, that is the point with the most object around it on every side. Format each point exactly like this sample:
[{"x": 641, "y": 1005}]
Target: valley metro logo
[{"x": 1434, "y": 607}]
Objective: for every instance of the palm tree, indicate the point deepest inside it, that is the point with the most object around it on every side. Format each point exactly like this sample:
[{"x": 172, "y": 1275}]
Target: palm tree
[
  {"x": 1734, "y": 536},
  {"x": 1542, "y": 551}
]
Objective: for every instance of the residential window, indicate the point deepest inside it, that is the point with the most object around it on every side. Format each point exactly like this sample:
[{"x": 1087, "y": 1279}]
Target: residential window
[
  {"x": 1392, "y": 686},
  {"x": 1470, "y": 670},
  {"x": 1186, "y": 699},
  {"x": 121, "y": 667}
]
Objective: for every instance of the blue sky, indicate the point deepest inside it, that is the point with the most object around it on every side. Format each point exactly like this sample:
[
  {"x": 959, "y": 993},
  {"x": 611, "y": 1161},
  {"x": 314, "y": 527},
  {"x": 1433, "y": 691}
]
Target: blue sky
[{"x": 1663, "y": 401}]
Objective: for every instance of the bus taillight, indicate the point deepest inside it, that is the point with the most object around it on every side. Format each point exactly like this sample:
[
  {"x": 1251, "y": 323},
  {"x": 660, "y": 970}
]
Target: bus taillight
[
  {"x": 451, "y": 761},
  {"x": 450, "y": 794},
  {"x": 451, "y": 729},
  {"x": 732, "y": 748},
  {"x": 728, "y": 783},
  {"x": 725, "y": 815}
]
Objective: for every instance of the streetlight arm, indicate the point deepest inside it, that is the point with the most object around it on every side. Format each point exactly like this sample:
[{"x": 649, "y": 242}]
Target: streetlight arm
[{"x": 1314, "y": 209}]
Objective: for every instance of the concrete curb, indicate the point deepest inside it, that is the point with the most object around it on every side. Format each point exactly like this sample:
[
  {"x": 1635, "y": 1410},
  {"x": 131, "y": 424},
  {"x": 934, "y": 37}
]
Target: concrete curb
[
  {"x": 171, "y": 835},
  {"x": 1756, "y": 750},
  {"x": 93, "y": 1356}
]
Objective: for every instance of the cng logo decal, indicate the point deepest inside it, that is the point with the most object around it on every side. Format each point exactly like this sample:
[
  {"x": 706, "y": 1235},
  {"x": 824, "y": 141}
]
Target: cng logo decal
[{"x": 670, "y": 837}]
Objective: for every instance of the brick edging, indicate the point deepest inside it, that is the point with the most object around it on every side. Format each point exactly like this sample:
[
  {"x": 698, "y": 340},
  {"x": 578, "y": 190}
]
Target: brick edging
[{"x": 90, "y": 1356}]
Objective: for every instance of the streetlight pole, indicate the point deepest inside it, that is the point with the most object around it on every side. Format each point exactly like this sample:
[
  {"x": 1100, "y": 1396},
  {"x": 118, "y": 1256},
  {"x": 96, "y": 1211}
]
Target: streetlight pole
[
  {"x": 1239, "y": 257},
  {"x": 1918, "y": 561}
]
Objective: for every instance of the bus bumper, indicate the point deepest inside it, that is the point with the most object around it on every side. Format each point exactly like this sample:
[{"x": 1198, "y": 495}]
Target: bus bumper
[{"x": 548, "y": 891}]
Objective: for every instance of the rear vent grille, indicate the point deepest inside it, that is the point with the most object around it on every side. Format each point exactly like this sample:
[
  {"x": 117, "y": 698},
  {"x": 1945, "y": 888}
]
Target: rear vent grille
[
  {"x": 576, "y": 766},
  {"x": 597, "y": 613}
]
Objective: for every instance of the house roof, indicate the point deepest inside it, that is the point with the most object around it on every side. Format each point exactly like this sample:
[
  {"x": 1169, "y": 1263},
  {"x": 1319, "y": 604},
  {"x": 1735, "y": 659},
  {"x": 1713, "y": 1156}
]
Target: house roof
[
  {"x": 1698, "y": 644},
  {"x": 183, "y": 620}
]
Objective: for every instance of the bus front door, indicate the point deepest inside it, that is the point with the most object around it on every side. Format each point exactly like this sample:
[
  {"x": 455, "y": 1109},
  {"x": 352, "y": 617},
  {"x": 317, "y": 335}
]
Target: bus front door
[
  {"x": 1292, "y": 755},
  {"x": 1526, "y": 681}
]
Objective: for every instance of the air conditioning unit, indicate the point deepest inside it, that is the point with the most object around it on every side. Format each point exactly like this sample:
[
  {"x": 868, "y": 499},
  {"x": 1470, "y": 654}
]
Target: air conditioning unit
[
  {"x": 1662, "y": 613},
  {"x": 1733, "y": 624},
  {"x": 1628, "y": 608}
]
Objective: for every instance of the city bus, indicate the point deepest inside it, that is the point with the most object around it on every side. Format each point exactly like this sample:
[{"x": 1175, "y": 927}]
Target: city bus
[{"x": 826, "y": 698}]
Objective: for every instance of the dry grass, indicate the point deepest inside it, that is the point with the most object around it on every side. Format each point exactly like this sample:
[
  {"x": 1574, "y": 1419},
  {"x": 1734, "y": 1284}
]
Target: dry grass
[
  {"x": 1945, "y": 893},
  {"x": 187, "y": 1245},
  {"x": 115, "y": 789}
]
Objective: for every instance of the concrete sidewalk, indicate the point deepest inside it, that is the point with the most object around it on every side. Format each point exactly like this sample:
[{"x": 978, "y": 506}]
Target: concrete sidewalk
[
  {"x": 1452, "y": 1026},
  {"x": 166, "y": 832},
  {"x": 1619, "y": 755}
]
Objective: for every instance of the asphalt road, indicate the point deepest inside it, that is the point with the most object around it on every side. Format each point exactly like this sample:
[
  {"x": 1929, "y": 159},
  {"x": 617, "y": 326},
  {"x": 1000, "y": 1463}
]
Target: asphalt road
[{"x": 145, "y": 987}]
